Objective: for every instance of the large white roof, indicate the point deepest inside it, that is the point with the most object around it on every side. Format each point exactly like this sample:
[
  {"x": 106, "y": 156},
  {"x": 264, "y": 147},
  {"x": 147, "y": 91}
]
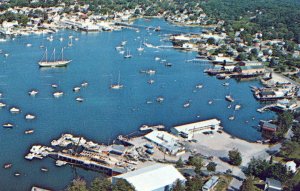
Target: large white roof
[
  {"x": 189, "y": 127},
  {"x": 152, "y": 177}
]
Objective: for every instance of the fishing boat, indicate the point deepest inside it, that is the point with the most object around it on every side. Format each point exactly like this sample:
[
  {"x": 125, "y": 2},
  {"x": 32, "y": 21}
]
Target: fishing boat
[
  {"x": 8, "y": 125},
  {"x": 118, "y": 85},
  {"x": 76, "y": 89},
  {"x": 33, "y": 92},
  {"x": 29, "y": 117},
  {"x": 2, "y": 105},
  {"x": 14, "y": 110},
  {"x": 54, "y": 62},
  {"x": 7, "y": 165},
  {"x": 30, "y": 131},
  {"x": 79, "y": 99},
  {"x": 229, "y": 98},
  {"x": 58, "y": 94}
]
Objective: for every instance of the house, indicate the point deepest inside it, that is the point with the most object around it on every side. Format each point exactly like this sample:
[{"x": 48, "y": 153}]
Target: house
[
  {"x": 268, "y": 129},
  {"x": 166, "y": 141},
  {"x": 272, "y": 185},
  {"x": 189, "y": 130},
  {"x": 210, "y": 184},
  {"x": 157, "y": 177},
  {"x": 291, "y": 166}
]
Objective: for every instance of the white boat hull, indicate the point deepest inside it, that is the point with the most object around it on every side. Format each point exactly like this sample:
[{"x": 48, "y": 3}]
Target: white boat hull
[{"x": 55, "y": 63}]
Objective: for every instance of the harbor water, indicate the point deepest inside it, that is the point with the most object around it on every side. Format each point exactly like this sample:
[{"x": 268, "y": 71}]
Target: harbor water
[{"x": 106, "y": 113}]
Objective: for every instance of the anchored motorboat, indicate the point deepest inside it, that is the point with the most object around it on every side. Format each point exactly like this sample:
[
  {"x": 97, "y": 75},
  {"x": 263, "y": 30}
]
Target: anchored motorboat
[
  {"x": 8, "y": 125},
  {"x": 58, "y": 94},
  {"x": 15, "y": 110},
  {"x": 29, "y": 117},
  {"x": 7, "y": 165},
  {"x": 79, "y": 99},
  {"x": 33, "y": 92},
  {"x": 30, "y": 131},
  {"x": 76, "y": 89},
  {"x": 2, "y": 105}
]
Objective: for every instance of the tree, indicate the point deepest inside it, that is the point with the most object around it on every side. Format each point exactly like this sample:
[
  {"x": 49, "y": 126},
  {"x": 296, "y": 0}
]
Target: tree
[
  {"x": 179, "y": 163},
  {"x": 178, "y": 186},
  {"x": 211, "y": 40},
  {"x": 278, "y": 171},
  {"x": 296, "y": 133},
  {"x": 211, "y": 166},
  {"x": 100, "y": 185},
  {"x": 197, "y": 162},
  {"x": 194, "y": 184},
  {"x": 258, "y": 168},
  {"x": 122, "y": 185},
  {"x": 77, "y": 185},
  {"x": 248, "y": 185},
  {"x": 235, "y": 157}
]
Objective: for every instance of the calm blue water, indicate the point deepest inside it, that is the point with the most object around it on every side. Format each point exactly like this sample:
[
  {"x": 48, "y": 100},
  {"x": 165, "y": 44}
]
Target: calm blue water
[{"x": 106, "y": 113}]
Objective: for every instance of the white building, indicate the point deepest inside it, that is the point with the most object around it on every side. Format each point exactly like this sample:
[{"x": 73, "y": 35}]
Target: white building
[
  {"x": 189, "y": 130},
  {"x": 210, "y": 184},
  {"x": 168, "y": 142},
  {"x": 157, "y": 177},
  {"x": 291, "y": 166}
]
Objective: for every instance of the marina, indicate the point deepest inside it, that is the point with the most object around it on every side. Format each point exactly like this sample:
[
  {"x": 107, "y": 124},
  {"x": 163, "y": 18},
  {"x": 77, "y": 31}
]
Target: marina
[{"x": 105, "y": 114}]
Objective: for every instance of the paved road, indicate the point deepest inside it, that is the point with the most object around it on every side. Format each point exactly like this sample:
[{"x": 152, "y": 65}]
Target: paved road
[{"x": 235, "y": 184}]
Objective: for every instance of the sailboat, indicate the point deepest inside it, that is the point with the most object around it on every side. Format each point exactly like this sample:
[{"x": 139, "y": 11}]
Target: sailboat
[
  {"x": 70, "y": 42},
  {"x": 128, "y": 55},
  {"x": 140, "y": 49},
  {"x": 54, "y": 63},
  {"x": 118, "y": 85}
]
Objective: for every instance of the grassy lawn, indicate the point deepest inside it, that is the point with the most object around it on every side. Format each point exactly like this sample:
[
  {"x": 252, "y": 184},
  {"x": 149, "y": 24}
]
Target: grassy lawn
[{"x": 223, "y": 183}]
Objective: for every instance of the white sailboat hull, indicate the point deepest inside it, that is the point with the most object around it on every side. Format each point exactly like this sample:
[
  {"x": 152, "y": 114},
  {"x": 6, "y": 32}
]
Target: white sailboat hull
[{"x": 54, "y": 63}]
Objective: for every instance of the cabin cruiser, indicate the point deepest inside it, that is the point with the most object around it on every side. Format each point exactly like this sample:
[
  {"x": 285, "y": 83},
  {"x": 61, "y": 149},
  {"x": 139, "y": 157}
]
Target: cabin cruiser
[
  {"x": 58, "y": 94},
  {"x": 84, "y": 84},
  {"x": 76, "y": 89},
  {"x": 151, "y": 81},
  {"x": 2, "y": 105},
  {"x": 187, "y": 104},
  {"x": 29, "y": 117},
  {"x": 54, "y": 85},
  {"x": 199, "y": 86},
  {"x": 79, "y": 99},
  {"x": 33, "y": 92},
  {"x": 8, "y": 125},
  {"x": 237, "y": 107},
  {"x": 229, "y": 98},
  {"x": 30, "y": 131},
  {"x": 14, "y": 110},
  {"x": 7, "y": 165},
  {"x": 160, "y": 99}
]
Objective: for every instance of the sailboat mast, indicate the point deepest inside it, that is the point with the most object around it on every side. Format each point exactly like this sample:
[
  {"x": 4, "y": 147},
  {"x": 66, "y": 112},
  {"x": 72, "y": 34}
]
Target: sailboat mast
[
  {"x": 46, "y": 52},
  {"x": 54, "y": 54},
  {"x": 62, "y": 54}
]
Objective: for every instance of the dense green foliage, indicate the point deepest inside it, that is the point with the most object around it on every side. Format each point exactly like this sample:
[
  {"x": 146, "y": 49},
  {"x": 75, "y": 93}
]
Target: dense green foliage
[
  {"x": 235, "y": 157},
  {"x": 284, "y": 121},
  {"x": 248, "y": 185},
  {"x": 100, "y": 185},
  {"x": 274, "y": 18}
]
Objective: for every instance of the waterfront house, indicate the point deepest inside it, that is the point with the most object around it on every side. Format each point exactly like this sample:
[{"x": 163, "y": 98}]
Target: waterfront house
[
  {"x": 189, "y": 130},
  {"x": 272, "y": 185},
  {"x": 157, "y": 177},
  {"x": 268, "y": 129},
  {"x": 167, "y": 142},
  {"x": 210, "y": 184},
  {"x": 291, "y": 166}
]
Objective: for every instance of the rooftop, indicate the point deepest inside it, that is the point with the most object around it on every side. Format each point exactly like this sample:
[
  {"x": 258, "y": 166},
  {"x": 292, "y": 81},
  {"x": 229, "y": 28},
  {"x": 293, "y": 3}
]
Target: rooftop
[
  {"x": 152, "y": 177},
  {"x": 189, "y": 127}
]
